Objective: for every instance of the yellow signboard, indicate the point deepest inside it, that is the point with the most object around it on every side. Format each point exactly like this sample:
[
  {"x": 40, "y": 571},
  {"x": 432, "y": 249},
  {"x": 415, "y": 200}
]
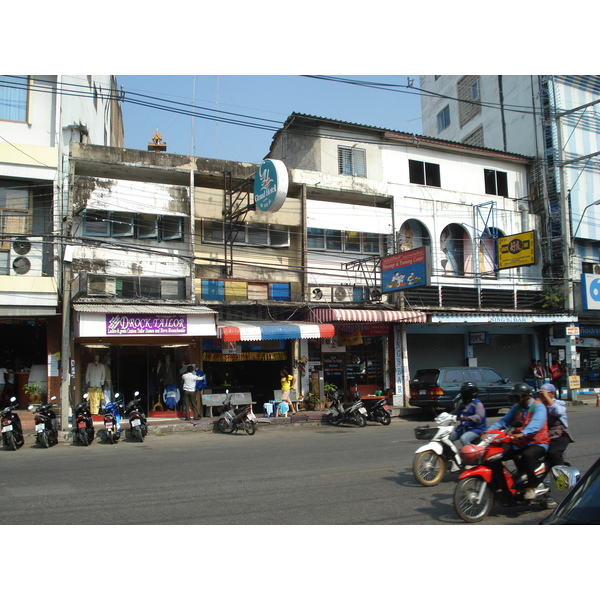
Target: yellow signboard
[
  {"x": 574, "y": 382},
  {"x": 516, "y": 250}
]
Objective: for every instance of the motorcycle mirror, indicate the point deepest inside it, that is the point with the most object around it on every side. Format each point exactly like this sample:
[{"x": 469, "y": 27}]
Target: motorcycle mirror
[
  {"x": 53, "y": 398},
  {"x": 85, "y": 396},
  {"x": 117, "y": 395},
  {"x": 227, "y": 391},
  {"x": 30, "y": 407},
  {"x": 13, "y": 399},
  {"x": 136, "y": 394}
]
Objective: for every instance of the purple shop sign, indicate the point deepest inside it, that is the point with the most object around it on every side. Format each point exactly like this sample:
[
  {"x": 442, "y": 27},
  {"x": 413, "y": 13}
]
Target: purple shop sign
[{"x": 146, "y": 324}]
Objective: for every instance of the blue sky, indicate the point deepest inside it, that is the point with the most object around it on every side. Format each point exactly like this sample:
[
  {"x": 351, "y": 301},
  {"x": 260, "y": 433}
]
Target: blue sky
[{"x": 264, "y": 101}]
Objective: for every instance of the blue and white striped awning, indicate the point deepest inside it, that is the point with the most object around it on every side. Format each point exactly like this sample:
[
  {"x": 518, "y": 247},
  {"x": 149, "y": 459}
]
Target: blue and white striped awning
[{"x": 236, "y": 331}]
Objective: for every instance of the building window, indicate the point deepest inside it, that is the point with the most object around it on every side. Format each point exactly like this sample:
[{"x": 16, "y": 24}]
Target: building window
[
  {"x": 13, "y": 98},
  {"x": 344, "y": 241},
  {"x": 443, "y": 119},
  {"x": 496, "y": 183},
  {"x": 352, "y": 161},
  {"x": 100, "y": 223},
  {"x": 15, "y": 213},
  {"x": 468, "y": 92},
  {"x": 424, "y": 173},
  {"x": 246, "y": 234}
]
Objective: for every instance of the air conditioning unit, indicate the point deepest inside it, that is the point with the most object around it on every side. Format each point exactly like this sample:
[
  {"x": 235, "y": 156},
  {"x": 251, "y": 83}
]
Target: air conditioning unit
[
  {"x": 319, "y": 294},
  {"x": 342, "y": 293},
  {"x": 26, "y": 254},
  {"x": 375, "y": 295},
  {"x": 101, "y": 286}
]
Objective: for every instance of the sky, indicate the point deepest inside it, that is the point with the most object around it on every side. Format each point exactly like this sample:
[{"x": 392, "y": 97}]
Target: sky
[{"x": 261, "y": 102}]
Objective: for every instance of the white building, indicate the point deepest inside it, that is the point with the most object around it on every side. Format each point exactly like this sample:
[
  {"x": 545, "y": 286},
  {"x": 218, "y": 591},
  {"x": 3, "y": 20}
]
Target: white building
[
  {"x": 555, "y": 119},
  {"x": 420, "y": 192},
  {"x": 39, "y": 116}
]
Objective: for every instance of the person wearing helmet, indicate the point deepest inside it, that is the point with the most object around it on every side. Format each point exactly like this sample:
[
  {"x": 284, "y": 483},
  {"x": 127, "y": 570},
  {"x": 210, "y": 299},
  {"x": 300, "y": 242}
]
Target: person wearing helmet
[
  {"x": 529, "y": 438},
  {"x": 471, "y": 415}
]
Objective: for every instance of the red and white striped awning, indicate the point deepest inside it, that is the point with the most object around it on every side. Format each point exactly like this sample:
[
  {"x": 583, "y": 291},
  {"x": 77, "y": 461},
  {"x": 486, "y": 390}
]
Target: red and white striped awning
[
  {"x": 321, "y": 315},
  {"x": 236, "y": 331}
]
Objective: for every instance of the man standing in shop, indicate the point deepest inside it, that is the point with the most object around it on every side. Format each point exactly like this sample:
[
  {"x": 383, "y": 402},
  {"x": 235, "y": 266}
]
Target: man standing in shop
[{"x": 189, "y": 392}]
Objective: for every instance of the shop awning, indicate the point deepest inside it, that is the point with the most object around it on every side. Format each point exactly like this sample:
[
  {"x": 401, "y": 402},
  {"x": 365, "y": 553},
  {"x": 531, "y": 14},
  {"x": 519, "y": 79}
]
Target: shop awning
[
  {"x": 236, "y": 331},
  {"x": 366, "y": 316}
]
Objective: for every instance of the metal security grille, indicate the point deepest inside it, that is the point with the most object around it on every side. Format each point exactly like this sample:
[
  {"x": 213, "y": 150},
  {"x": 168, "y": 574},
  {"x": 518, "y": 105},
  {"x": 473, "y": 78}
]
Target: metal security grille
[{"x": 352, "y": 161}]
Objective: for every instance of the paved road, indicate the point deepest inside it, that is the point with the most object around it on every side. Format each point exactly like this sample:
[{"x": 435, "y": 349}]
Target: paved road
[{"x": 287, "y": 475}]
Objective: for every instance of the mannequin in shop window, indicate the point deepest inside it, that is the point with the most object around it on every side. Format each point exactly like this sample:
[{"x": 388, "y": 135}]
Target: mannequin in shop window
[
  {"x": 95, "y": 378},
  {"x": 167, "y": 379}
]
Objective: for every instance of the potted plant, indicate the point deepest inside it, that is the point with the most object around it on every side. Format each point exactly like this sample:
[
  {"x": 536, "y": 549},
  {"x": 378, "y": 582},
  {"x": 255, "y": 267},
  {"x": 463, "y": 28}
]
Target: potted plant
[
  {"x": 329, "y": 389},
  {"x": 34, "y": 390}
]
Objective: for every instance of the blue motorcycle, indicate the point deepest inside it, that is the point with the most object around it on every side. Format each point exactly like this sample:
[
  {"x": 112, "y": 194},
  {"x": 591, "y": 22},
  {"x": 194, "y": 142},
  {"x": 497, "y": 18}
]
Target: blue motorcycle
[{"x": 112, "y": 419}]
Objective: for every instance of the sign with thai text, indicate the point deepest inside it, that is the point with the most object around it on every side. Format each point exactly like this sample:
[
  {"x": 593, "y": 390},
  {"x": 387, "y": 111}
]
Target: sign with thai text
[
  {"x": 123, "y": 324},
  {"x": 516, "y": 250}
]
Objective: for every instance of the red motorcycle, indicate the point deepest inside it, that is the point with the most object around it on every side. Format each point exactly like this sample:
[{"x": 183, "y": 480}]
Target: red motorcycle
[{"x": 487, "y": 477}]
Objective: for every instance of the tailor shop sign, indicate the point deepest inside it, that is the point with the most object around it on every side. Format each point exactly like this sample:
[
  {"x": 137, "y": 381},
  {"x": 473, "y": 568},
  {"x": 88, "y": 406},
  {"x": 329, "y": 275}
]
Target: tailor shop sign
[
  {"x": 119, "y": 324},
  {"x": 270, "y": 185}
]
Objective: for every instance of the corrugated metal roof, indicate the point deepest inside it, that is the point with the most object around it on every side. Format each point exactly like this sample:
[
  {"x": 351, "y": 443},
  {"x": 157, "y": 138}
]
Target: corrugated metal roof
[{"x": 144, "y": 309}]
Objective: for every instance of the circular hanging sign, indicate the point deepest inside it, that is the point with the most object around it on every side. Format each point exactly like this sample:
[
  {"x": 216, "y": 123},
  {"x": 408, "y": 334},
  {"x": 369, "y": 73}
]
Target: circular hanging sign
[{"x": 270, "y": 185}]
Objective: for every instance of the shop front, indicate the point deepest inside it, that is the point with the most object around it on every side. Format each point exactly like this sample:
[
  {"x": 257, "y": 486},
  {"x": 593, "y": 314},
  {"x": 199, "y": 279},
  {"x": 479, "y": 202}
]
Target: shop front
[
  {"x": 247, "y": 356},
  {"x": 362, "y": 353},
  {"x": 140, "y": 348}
]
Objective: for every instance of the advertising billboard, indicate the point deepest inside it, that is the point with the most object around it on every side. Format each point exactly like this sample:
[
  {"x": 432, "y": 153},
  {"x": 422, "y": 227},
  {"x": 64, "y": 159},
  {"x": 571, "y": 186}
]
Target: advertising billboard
[
  {"x": 516, "y": 250},
  {"x": 400, "y": 272}
]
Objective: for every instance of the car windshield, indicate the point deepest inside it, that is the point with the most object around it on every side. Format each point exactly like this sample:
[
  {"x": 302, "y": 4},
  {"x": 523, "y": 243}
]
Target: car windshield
[{"x": 583, "y": 506}]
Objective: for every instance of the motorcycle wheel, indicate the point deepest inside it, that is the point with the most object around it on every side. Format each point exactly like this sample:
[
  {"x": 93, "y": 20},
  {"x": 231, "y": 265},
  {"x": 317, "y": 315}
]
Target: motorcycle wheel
[
  {"x": 360, "y": 420},
  {"x": 83, "y": 437},
  {"x": 223, "y": 426},
  {"x": 465, "y": 499},
  {"x": 43, "y": 440},
  {"x": 385, "y": 418},
  {"x": 90, "y": 435},
  {"x": 144, "y": 430},
  {"x": 109, "y": 437},
  {"x": 429, "y": 468},
  {"x": 249, "y": 427},
  {"x": 137, "y": 434},
  {"x": 8, "y": 440},
  {"x": 331, "y": 419}
]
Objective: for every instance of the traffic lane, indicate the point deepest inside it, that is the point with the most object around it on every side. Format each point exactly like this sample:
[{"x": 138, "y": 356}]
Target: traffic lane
[{"x": 324, "y": 476}]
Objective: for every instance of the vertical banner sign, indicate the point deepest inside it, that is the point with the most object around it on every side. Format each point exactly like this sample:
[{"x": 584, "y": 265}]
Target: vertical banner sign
[
  {"x": 404, "y": 271},
  {"x": 270, "y": 185}
]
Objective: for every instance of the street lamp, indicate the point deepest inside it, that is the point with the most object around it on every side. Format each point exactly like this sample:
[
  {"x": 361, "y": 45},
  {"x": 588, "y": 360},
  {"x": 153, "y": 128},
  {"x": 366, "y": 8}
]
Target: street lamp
[{"x": 583, "y": 213}]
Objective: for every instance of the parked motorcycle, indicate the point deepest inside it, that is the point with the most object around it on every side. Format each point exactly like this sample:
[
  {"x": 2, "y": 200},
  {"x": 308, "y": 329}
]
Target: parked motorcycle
[
  {"x": 439, "y": 454},
  {"x": 12, "y": 431},
  {"x": 46, "y": 424},
  {"x": 489, "y": 478},
  {"x": 378, "y": 411},
  {"x": 233, "y": 419},
  {"x": 112, "y": 419},
  {"x": 137, "y": 419},
  {"x": 353, "y": 413},
  {"x": 84, "y": 424}
]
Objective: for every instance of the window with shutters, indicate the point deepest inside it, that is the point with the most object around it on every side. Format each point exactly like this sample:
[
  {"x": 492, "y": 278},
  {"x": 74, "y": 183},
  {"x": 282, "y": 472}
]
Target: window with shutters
[{"x": 352, "y": 161}]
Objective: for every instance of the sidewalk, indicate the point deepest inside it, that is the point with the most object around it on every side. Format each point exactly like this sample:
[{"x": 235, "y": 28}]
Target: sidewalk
[{"x": 167, "y": 425}]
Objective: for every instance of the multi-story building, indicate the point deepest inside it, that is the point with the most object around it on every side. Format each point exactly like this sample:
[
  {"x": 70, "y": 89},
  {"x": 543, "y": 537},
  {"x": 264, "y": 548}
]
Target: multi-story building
[
  {"x": 171, "y": 261},
  {"x": 39, "y": 116},
  {"x": 554, "y": 119},
  {"x": 453, "y": 200}
]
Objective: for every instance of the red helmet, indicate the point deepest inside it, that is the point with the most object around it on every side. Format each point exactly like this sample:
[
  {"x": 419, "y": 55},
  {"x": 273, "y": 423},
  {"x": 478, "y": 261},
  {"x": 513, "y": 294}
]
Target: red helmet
[{"x": 471, "y": 454}]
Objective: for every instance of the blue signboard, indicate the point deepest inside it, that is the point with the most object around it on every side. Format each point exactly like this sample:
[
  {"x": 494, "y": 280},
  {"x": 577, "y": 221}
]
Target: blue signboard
[{"x": 400, "y": 272}]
